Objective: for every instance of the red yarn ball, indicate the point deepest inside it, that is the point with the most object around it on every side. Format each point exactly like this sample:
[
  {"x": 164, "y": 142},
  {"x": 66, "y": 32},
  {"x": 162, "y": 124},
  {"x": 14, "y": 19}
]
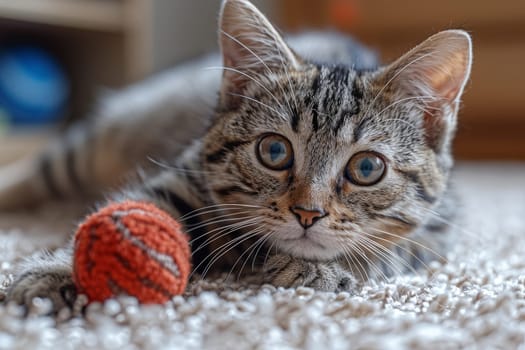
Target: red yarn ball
[{"x": 131, "y": 248}]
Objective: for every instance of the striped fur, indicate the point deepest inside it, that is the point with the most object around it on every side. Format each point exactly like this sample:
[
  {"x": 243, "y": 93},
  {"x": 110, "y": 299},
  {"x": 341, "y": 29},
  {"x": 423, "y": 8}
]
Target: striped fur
[{"x": 239, "y": 212}]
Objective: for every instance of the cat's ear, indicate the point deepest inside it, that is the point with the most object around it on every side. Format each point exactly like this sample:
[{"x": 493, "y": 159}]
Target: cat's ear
[
  {"x": 250, "y": 47},
  {"x": 434, "y": 73}
]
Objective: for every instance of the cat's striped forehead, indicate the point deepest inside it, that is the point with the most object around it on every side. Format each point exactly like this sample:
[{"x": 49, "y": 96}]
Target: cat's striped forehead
[
  {"x": 319, "y": 99},
  {"x": 334, "y": 96},
  {"x": 327, "y": 105}
]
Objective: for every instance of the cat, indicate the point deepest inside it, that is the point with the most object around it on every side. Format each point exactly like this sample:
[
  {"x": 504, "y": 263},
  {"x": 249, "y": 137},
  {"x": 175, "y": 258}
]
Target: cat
[{"x": 323, "y": 174}]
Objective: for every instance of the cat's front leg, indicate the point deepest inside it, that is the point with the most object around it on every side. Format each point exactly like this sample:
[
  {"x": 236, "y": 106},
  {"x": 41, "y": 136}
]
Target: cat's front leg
[
  {"x": 287, "y": 271},
  {"x": 45, "y": 275}
]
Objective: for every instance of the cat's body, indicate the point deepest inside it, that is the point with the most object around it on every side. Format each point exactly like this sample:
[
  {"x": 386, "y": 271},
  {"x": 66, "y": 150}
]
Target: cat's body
[{"x": 321, "y": 173}]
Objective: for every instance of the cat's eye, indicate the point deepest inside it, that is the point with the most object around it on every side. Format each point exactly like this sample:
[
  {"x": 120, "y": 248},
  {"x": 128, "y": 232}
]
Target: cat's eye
[
  {"x": 275, "y": 152},
  {"x": 365, "y": 169}
]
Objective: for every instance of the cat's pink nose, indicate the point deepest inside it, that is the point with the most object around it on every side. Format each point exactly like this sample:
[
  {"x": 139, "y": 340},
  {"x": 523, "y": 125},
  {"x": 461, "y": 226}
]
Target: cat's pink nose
[{"x": 307, "y": 217}]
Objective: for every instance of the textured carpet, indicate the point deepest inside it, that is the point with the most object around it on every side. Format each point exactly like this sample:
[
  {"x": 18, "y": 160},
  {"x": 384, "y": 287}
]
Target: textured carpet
[{"x": 475, "y": 300}]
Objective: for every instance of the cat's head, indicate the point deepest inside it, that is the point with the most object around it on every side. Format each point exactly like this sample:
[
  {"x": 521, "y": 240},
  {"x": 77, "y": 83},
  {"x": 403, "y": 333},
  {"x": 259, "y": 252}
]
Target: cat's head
[{"x": 330, "y": 157}]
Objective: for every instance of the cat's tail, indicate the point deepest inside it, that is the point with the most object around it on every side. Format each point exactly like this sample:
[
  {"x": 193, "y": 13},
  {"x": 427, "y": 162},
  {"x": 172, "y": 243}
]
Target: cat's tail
[{"x": 81, "y": 162}]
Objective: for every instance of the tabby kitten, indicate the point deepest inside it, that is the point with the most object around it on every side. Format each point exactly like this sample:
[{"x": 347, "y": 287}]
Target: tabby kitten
[{"x": 322, "y": 174}]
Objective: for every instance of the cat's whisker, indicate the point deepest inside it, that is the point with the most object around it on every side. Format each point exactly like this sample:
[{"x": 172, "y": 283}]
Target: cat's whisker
[
  {"x": 391, "y": 257},
  {"x": 358, "y": 247},
  {"x": 220, "y": 210},
  {"x": 372, "y": 247},
  {"x": 386, "y": 262},
  {"x": 258, "y": 82},
  {"x": 354, "y": 262},
  {"x": 218, "y": 235},
  {"x": 268, "y": 237},
  {"x": 216, "y": 252},
  {"x": 222, "y": 231},
  {"x": 214, "y": 222},
  {"x": 227, "y": 247},
  {"x": 280, "y": 114},
  {"x": 449, "y": 223},
  {"x": 223, "y": 206},
  {"x": 210, "y": 221},
  {"x": 412, "y": 242},
  {"x": 374, "y": 264},
  {"x": 437, "y": 216},
  {"x": 239, "y": 221},
  {"x": 408, "y": 251},
  {"x": 272, "y": 245},
  {"x": 350, "y": 253},
  {"x": 253, "y": 234},
  {"x": 250, "y": 250}
]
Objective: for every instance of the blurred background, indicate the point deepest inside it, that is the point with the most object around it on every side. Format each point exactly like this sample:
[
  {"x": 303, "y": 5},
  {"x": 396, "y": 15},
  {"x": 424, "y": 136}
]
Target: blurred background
[{"x": 57, "y": 55}]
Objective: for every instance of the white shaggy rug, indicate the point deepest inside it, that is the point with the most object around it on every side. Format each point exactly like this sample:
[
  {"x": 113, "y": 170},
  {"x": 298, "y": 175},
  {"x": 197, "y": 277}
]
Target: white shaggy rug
[{"x": 476, "y": 300}]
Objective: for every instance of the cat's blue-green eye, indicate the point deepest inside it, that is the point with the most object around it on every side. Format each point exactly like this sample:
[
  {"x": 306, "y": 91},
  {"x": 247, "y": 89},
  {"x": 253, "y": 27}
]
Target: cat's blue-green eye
[
  {"x": 275, "y": 152},
  {"x": 365, "y": 169}
]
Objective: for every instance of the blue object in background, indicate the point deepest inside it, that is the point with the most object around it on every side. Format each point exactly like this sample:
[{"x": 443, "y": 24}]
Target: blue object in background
[{"x": 33, "y": 87}]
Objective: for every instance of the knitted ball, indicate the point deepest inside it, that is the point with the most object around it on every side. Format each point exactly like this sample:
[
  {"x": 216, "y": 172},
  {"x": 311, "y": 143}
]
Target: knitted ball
[{"x": 131, "y": 248}]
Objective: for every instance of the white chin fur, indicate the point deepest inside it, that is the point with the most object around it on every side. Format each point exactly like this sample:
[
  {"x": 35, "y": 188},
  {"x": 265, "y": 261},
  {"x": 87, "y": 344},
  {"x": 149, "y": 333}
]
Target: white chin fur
[{"x": 299, "y": 245}]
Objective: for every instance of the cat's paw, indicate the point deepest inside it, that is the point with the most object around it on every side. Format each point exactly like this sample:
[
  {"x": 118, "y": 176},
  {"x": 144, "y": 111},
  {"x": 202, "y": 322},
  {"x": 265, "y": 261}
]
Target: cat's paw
[
  {"x": 287, "y": 271},
  {"x": 54, "y": 284}
]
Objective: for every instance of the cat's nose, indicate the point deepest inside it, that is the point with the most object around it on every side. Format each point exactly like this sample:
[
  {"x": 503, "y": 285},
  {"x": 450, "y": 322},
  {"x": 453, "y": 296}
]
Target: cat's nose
[{"x": 307, "y": 217}]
